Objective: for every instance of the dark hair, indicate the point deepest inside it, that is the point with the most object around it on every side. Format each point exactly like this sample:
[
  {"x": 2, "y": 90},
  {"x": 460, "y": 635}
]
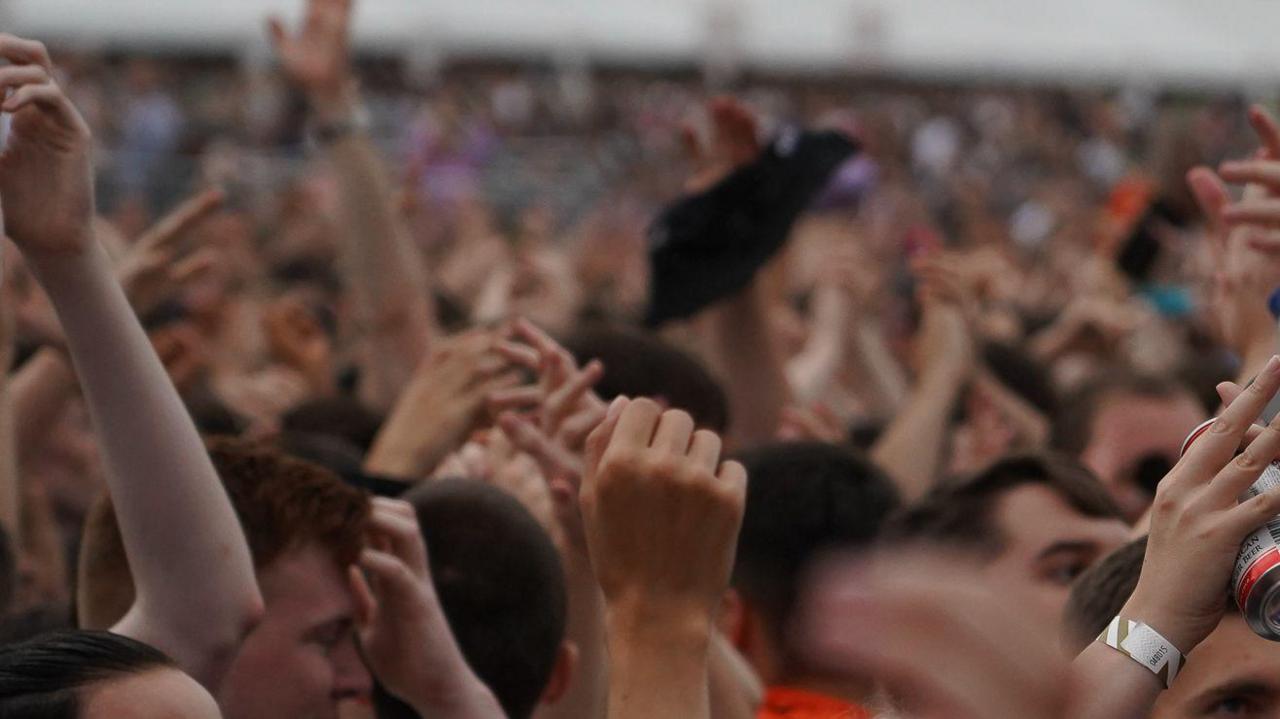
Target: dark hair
[
  {"x": 308, "y": 271},
  {"x": 340, "y": 457},
  {"x": 213, "y": 417},
  {"x": 1074, "y": 426},
  {"x": 642, "y": 364},
  {"x": 343, "y": 417},
  {"x": 501, "y": 585},
  {"x": 960, "y": 514},
  {"x": 42, "y": 678},
  {"x": 804, "y": 499},
  {"x": 1099, "y": 594},
  {"x": 1026, "y": 377}
]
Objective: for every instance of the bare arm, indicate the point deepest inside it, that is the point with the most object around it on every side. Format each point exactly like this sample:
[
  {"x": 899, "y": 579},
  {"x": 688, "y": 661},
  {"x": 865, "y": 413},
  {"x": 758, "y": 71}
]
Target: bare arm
[
  {"x": 1197, "y": 527},
  {"x": 197, "y": 595},
  {"x": 385, "y": 270},
  {"x": 662, "y": 516},
  {"x": 39, "y": 392},
  {"x": 811, "y": 372},
  {"x": 911, "y": 450},
  {"x": 755, "y": 378},
  {"x": 887, "y": 379}
]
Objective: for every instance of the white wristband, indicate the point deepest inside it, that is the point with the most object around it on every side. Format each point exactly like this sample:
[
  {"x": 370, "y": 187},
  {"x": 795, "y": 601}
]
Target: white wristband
[{"x": 1145, "y": 646}]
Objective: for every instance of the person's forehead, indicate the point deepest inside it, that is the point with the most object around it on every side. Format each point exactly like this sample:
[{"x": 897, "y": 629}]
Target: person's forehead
[
  {"x": 1146, "y": 423},
  {"x": 1034, "y": 517},
  {"x": 1231, "y": 656},
  {"x": 306, "y": 585}
]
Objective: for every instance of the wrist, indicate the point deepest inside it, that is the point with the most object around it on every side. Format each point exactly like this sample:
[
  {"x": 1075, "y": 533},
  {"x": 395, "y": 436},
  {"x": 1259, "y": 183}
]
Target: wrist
[
  {"x": 646, "y": 625},
  {"x": 387, "y": 460},
  {"x": 63, "y": 270},
  {"x": 1155, "y": 615},
  {"x": 464, "y": 697},
  {"x": 333, "y": 104}
]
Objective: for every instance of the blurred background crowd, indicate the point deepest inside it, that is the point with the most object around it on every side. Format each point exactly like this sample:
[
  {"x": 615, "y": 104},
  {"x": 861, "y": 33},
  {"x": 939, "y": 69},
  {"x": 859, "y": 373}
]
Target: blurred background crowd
[{"x": 1010, "y": 264}]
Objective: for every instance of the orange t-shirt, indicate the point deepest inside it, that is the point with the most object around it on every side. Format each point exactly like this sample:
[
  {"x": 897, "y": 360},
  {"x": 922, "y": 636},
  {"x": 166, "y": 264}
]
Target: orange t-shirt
[{"x": 789, "y": 703}]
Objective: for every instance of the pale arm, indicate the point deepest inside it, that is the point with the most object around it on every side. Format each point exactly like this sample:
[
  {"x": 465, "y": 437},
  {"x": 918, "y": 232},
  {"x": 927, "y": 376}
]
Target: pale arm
[
  {"x": 386, "y": 276},
  {"x": 197, "y": 595}
]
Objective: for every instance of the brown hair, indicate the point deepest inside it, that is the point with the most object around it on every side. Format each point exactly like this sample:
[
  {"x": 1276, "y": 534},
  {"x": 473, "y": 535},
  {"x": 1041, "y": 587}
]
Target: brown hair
[
  {"x": 1073, "y": 428},
  {"x": 283, "y": 503},
  {"x": 962, "y": 514}
]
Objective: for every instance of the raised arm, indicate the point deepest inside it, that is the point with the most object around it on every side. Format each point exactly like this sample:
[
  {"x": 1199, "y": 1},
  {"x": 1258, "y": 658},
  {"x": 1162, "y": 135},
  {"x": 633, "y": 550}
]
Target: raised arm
[
  {"x": 912, "y": 447},
  {"x": 1197, "y": 527},
  {"x": 197, "y": 595},
  {"x": 662, "y": 515},
  {"x": 385, "y": 271}
]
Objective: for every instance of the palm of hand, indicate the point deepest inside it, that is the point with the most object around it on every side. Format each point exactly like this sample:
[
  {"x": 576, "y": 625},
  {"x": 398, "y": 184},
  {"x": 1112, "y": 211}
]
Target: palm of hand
[
  {"x": 316, "y": 58},
  {"x": 46, "y": 181}
]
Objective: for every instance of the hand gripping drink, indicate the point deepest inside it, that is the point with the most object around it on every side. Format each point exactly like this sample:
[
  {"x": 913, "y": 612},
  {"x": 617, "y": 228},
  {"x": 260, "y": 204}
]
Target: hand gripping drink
[{"x": 1255, "y": 581}]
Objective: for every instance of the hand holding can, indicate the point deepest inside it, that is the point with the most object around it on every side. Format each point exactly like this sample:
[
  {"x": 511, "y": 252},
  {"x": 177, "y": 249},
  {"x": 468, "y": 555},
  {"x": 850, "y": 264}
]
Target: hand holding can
[{"x": 1198, "y": 521}]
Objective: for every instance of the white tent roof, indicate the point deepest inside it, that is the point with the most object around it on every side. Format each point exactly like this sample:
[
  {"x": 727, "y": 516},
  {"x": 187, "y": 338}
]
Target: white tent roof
[{"x": 1187, "y": 41}]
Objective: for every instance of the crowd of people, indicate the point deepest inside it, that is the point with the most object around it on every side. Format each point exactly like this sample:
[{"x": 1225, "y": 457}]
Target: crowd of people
[{"x": 336, "y": 391}]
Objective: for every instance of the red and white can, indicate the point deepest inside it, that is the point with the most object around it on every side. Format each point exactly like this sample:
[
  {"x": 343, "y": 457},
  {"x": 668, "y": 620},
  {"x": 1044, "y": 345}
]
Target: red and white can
[{"x": 1255, "y": 581}]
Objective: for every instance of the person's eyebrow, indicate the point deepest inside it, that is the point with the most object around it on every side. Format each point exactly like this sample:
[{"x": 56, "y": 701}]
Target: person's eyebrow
[
  {"x": 1063, "y": 546},
  {"x": 1235, "y": 688}
]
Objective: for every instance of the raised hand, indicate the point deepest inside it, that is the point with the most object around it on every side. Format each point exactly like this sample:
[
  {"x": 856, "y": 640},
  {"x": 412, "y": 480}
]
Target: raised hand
[
  {"x": 1243, "y": 243},
  {"x": 46, "y": 180},
  {"x": 403, "y": 630},
  {"x": 1197, "y": 525},
  {"x": 734, "y": 142},
  {"x": 317, "y": 57},
  {"x": 443, "y": 403},
  {"x": 945, "y": 345},
  {"x": 563, "y": 410},
  {"x": 662, "y": 515},
  {"x": 661, "y": 510},
  {"x": 152, "y": 270},
  {"x": 1261, "y": 176},
  {"x": 905, "y": 615}
]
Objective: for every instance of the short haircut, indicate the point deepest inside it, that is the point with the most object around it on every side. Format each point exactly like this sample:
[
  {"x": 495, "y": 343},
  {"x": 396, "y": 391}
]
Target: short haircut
[
  {"x": 804, "y": 499},
  {"x": 283, "y": 504},
  {"x": 1099, "y": 594},
  {"x": 342, "y": 416},
  {"x": 213, "y": 417},
  {"x": 961, "y": 514},
  {"x": 501, "y": 585},
  {"x": 1023, "y": 374},
  {"x": 1074, "y": 426},
  {"x": 641, "y": 364},
  {"x": 43, "y": 678},
  {"x": 340, "y": 457}
]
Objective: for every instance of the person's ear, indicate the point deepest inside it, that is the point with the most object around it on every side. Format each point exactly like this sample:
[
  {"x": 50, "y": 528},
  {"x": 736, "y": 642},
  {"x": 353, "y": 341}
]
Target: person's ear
[{"x": 562, "y": 673}]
